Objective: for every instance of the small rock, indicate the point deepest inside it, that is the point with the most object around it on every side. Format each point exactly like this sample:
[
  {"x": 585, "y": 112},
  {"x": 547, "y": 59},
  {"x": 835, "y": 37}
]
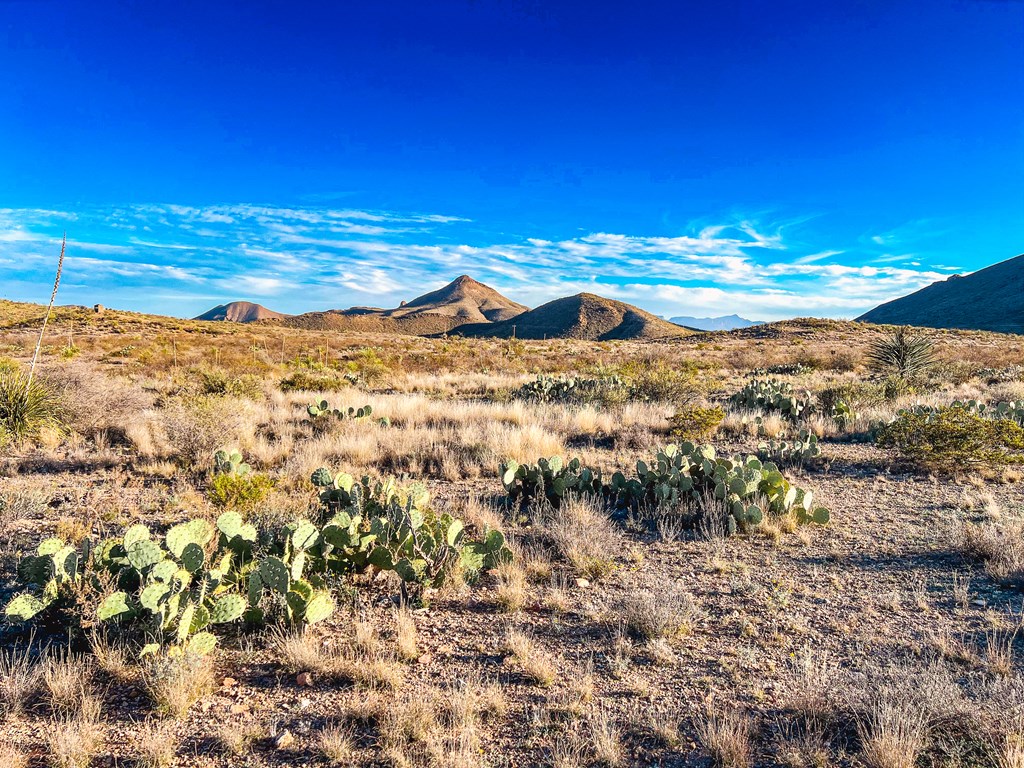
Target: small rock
[
  {"x": 305, "y": 703},
  {"x": 285, "y": 740},
  {"x": 581, "y": 582},
  {"x": 228, "y": 682},
  {"x": 304, "y": 679},
  {"x": 426, "y": 658},
  {"x": 239, "y": 709}
]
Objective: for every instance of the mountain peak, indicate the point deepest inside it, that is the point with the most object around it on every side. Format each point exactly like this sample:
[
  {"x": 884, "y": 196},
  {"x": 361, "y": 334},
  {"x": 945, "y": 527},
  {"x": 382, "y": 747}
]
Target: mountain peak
[{"x": 240, "y": 312}]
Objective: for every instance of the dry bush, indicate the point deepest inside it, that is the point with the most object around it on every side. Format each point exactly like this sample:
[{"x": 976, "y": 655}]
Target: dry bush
[
  {"x": 536, "y": 664},
  {"x": 93, "y": 402},
  {"x": 893, "y": 734},
  {"x": 583, "y": 534},
  {"x": 19, "y": 680},
  {"x": 811, "y": 693},
  {"x": 235, "y": 738},
  {"x": 175, "y": 683},
  {"x": 652, "y": 611},
  {"x": 727, "y": 738},
  {"x": 156, "y": 745}
]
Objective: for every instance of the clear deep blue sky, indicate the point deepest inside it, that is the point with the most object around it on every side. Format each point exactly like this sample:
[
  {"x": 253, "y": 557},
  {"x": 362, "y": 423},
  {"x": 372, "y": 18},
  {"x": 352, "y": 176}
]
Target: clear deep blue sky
[{"x": 768, "y": 158}]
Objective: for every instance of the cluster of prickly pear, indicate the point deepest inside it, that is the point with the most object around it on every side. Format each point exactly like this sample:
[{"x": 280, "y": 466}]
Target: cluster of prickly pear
[
  {"x": 551, "y": 478},
  {"x": 322, "y": 409},
  {"x": 56, "y": 568},
  {"x": 392, "y": 527},
  {"x": 781, "y": 369},
  {"x": 685, "y": 472},
  {"x": 799, "y": 450},
  {"x": 772, "y": 395},
  {"x": 1011, "y": 410},
  {"x": 580, "y": 391},
  {"x": 230, "y": 463}
]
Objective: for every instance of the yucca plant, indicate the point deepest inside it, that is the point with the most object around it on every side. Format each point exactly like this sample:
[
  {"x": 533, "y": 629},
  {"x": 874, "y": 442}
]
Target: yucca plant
[
  {"x": 902, "y": 353},
  {"x": 26, "y": 407}
]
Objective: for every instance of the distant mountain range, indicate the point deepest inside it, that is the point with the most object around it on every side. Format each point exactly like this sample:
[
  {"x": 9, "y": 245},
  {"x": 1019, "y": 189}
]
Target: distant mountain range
[
  {"x": 470, "y": 308},
  {"x": 723, "y": 323},
  {"x": 991, "y": 299}
]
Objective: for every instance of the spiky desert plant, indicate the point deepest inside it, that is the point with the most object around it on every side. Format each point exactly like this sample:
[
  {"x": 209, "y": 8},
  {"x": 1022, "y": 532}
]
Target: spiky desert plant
[
  {"x": 26, "y": 407},
  {"x": 901, "y": 353}
]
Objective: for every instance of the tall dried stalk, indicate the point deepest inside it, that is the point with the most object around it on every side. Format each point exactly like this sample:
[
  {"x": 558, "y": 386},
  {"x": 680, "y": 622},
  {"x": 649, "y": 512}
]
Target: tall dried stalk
[{"x": 49, "y": 309}]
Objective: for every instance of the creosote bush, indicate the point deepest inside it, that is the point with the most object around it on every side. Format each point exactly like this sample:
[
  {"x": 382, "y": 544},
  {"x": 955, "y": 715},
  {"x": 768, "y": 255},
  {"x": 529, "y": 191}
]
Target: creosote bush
[{"x": 692, "y": 422}]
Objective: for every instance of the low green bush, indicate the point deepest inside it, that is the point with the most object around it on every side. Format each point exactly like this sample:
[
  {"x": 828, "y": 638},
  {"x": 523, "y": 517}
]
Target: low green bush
[
  {"x": 314, "y": 381},
  {"x": 953, "y": 439},
  {"x": 695, "y": 423}
]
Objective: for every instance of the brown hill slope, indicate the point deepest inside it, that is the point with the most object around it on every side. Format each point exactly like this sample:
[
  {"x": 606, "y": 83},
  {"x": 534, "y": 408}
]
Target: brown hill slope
[
  {"x": 240, "y": 312},
  {"x": 462, "y": 301},
  {"x": 583, "y": 316},
  {"x": 991, "y": 299}
]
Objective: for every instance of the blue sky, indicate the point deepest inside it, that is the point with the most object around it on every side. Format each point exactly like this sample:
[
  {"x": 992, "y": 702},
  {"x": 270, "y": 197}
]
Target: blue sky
[{"x": 773, "y": 159}]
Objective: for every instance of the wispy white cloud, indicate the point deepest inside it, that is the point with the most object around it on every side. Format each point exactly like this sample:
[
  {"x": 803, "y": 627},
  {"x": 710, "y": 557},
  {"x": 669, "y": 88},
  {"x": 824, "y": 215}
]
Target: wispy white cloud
[{"x": 300, "y": 259}]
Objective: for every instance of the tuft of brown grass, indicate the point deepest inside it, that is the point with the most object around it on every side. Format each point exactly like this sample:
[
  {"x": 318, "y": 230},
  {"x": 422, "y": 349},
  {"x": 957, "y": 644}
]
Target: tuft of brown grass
[
  {"x": 583, "y": 534},
  {"x": 510, "y": 594},
  {"x": 74, "y": 741},
  {"x": 405, "y": 635},
  {"x": 175, "y": 683},
  {"x": 67, "y": 679},
  {"x": 727, "y": 738},
  {"x": 605, "y": 739},
  {"x": 12, "y": 757},
  {"x": 19, "y": 679},
  {"x": 337, "y": 745},
  {"x": 156, "y": 745},
  {"x": 111, "y": 657},
  {"x": 536, "y": 664},
  {"x": 652, "y": 611},
  {"x": 893, "y": 734},
  {"x": 234, "y": 738}
]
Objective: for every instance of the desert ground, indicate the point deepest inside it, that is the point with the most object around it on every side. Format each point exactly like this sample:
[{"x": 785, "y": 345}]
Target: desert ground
[{"x": 597, "y": 633}]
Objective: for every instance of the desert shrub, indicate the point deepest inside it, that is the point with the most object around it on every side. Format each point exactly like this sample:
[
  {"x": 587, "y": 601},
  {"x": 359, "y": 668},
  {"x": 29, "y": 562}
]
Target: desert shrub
[
  {"x": 238, "y": 492},
  {"x": 314, "y": 381},
  {"x": 218, "y": 382},
  {"x": 999, "y": 546},
  {"x": 693, "y": 422},
  {"x": 368, "y": 366},
  {"x": 953, "y": 438},
  {"x": 901, "y": 353},
  {"x": 658, "y": 381},
  {"x": 92, "y": 402},
  {"x": 196, "y": 425},
  {"x": 26, "y": 408}
]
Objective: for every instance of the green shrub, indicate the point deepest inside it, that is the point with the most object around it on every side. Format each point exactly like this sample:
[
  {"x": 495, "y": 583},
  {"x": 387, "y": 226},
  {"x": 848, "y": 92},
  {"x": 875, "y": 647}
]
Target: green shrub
[
  {"x": 238, "y": 492},
  {"x": 954, "y": 438},
  {"x": 657, "y": 381},
  {"x": 219, "y": 382},
  {"x": 692, "y": 422},
  {"x": 314, "y": 381},
  {"x": 26, "y": 409}
]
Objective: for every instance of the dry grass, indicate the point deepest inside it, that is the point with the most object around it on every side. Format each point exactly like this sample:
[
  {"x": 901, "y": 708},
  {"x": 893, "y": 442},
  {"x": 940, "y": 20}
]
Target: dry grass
[
  {"x": 337, "y": 745},
  {"x": 727, "y": 737},
  {"x": 67, "y": 679},
  {"x": 582, "y": 533},
  {"x": 651, "y": 611},
  {"x": 510, "y": 593},
  {"x": 605, "y": 739},
  {"x": 406, "y": 645},
  {"x": 19, "y": 679},
  {"x": 175, "y": 683},
  {"x": 111, "y": 657},
  {"x": 235, "y": 738},
  {"x": 156, "y": 745},
  {"x": 12, "y": 757},
  {"x": 893, "y": 734},
  {"x": 74, "y": 741},
  {"x": 998, "y": 545},
  {"x": 536, "y": 664}
]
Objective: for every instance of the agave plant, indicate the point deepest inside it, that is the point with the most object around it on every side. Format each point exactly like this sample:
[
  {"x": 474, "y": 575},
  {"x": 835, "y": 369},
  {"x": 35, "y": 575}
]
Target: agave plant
[{"x": 902, "y": 353}]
